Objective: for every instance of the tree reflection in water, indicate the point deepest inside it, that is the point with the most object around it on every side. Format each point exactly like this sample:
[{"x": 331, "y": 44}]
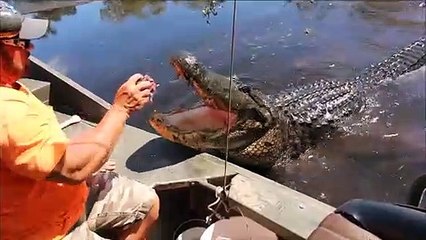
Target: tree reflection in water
[
  {"x": 55, "y": 15},
  {"x": 118, "y": 10}
]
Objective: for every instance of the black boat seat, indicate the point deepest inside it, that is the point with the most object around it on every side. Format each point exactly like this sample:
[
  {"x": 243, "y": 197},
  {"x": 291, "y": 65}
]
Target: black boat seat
[
  {"x": 364, "y": 219},
  {"x": 417, "y": 193},
  {"x": 336, "y": 227},
  {"x": 386, "y": 220}
]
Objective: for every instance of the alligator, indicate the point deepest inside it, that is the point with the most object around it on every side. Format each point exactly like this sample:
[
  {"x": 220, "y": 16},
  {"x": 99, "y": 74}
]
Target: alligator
[{"x": 258, "y": 129}]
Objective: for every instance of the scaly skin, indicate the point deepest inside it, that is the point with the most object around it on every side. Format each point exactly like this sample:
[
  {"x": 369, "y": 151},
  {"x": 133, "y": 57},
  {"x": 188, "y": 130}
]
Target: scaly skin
[{"x": 281, "y": 126}]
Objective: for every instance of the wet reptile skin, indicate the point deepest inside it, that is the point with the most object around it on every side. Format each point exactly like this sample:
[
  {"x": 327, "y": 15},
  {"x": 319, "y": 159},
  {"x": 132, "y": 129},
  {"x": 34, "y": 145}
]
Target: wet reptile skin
[{"x": 282, "y": 126}]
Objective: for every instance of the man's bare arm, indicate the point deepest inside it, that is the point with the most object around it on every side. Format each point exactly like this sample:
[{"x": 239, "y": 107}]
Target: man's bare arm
[{"x": 88, "y": 152}]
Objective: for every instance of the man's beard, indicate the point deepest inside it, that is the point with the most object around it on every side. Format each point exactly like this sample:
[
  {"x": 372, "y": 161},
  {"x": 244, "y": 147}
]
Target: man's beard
[{"x": 9, "y": 70}]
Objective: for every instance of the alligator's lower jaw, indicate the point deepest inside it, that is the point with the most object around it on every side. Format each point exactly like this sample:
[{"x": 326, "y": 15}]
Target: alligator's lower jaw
[{"x": 177, "y": 126}]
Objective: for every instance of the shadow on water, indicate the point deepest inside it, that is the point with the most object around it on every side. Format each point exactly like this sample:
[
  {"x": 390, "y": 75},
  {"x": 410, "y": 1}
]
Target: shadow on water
[
  {"x": 158, "y": 153},
  {"x": 278, "y": 44}
]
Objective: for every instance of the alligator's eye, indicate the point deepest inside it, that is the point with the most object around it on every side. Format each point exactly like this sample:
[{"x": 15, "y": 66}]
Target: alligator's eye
[
  {"x": 253, "y": 114},
  {"x": 158, "y": 120}
]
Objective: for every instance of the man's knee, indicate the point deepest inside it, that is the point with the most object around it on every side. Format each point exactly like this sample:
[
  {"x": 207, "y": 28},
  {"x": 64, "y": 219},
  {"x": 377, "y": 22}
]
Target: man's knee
[
  {"x": 147, "y": 198},
  {"x": 154, "y": 212},
  {"x": 133, "y": 201}
]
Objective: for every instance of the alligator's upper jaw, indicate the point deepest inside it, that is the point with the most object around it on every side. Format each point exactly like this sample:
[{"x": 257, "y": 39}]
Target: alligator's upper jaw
[{"x": 190, "y": 70}]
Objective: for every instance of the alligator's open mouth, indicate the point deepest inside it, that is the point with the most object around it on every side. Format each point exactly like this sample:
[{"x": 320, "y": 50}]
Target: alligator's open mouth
[
  {"x": 198, "y": 122},
  {"x": 196, "y": 119}
]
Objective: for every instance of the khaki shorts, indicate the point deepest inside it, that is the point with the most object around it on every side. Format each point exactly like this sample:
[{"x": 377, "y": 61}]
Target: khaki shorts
[{"x": 114, "y": 201}]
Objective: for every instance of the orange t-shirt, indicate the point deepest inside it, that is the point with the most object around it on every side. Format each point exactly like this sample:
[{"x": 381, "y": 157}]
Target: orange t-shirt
[{"x": 31, "y": 144}]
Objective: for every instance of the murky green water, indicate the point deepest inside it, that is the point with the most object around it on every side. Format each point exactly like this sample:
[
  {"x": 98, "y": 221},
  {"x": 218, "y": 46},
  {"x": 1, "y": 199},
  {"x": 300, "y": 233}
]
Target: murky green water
[{"x": 278, "y": 43}]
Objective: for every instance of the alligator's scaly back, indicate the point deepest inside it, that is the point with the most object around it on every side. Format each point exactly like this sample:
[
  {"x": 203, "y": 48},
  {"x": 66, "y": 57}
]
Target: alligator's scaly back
[
  {"x": 405, "y": 60},
  {"x": 328, "y": 102}
]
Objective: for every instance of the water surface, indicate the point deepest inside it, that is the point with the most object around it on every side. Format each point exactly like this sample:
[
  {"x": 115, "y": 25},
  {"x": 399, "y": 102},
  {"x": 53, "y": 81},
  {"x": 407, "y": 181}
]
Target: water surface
[{"x": 278, "y": 43}]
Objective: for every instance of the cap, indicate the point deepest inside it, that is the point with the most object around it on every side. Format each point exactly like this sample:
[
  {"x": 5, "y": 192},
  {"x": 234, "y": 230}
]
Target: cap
[{"x": 13, "y": 24}]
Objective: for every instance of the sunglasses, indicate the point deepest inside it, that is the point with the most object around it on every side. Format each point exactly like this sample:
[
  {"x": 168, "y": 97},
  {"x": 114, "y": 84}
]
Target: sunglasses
[{"x": 16, "y": 42}]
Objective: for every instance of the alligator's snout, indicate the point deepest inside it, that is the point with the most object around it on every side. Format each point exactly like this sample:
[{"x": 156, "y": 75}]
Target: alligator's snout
[
  {"x": 186, "y": 66},
  {"x": 181, "y": 73}
]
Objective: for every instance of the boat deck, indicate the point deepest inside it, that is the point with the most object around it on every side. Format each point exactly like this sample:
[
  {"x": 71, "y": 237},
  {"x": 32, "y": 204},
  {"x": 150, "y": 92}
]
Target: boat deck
[{"x": 150, "y": 159}]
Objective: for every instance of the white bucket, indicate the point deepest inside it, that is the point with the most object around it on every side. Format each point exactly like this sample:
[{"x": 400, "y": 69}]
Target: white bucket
[
  {"x": 237, "y": 228},
  {"x": 191, "y": 234}
]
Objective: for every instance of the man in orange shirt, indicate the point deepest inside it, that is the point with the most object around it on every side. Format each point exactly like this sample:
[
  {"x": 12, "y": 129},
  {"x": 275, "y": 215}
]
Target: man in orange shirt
[{"x": 51, "y": 186}]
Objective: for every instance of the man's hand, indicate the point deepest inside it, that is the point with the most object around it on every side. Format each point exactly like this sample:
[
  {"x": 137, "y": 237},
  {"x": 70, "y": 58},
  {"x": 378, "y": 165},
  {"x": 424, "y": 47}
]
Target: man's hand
[{"x": 135, "y": 93}]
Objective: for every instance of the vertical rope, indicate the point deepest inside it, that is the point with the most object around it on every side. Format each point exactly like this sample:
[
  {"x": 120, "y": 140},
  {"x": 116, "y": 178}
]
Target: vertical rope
[{"x": 231, "y": 71}]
